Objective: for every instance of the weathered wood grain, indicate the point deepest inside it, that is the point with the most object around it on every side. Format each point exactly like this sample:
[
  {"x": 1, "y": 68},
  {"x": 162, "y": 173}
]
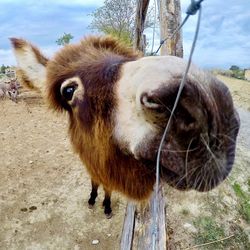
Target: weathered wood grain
[{"x": 145, "y": 234}]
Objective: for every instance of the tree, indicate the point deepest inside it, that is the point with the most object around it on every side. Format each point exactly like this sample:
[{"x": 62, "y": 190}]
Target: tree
[
  {"x": 234, "y": 67},
  {"x": 237, "y": 72},
  {"x": 3, "y": 68},
  {"x": 64, "y": 39},
  {"x": 115, "y": 17}
]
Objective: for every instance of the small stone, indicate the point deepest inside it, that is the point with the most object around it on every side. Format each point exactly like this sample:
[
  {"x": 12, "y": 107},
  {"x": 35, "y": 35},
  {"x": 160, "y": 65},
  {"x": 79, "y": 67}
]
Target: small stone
[
  {"x": 95, "y": 242},
  {"x": 229, "y": 201},
  {"x": 109, "y": 235},
  {"x": 24, "y": 209},
  {"x": 30, "y": 162},
  {"x": 190, "y": 228}
]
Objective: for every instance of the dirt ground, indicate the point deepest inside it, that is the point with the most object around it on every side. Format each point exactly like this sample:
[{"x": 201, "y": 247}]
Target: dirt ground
[{"x": 44, "y": 188}]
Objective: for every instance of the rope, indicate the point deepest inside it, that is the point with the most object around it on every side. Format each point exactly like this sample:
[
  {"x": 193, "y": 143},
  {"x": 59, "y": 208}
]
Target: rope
[{"x": 192, "y": 9}]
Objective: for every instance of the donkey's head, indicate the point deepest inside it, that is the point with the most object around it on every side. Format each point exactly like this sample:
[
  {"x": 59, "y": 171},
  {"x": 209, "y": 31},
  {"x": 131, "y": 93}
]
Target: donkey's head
[{"x": 123, "y": 103}]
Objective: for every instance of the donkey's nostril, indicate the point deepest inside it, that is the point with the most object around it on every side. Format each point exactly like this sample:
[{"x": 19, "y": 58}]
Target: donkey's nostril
[
  {"x": 190, "y": 116},
  {"x": 185, "y": 119},
  {"x": 151, "y": 102}
]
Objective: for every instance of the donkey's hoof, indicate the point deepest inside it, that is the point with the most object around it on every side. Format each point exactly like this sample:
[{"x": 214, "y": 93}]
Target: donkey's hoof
[
  {"x": 90, "y": 206},
  {"x": 109, "y": 216}
]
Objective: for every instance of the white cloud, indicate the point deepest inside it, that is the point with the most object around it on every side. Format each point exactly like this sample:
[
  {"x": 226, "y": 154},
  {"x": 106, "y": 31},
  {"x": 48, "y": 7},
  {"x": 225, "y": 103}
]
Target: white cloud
[{"x": 223, "y": 37}]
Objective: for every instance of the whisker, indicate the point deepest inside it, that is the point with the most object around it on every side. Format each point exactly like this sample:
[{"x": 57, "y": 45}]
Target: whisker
[
  {"x": 227, "y": 136},
  {"x": 186, "y": 160},
  {"x": 206, "y": 180},
  {"x": 197, "y": 180},
  {"x": 190, "y": 173},
  {"x": 232, "y": 128},
  {"x": 180, "y": 151},
  {"x": 209, "y": 182},
  {"x": 203, "y": 177},
  {"x": 209, "y": 150}
]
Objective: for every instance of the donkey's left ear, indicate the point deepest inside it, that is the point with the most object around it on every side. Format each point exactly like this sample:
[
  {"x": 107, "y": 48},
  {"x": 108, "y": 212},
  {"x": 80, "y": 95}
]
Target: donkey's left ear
[{"x": 31, "y": 64}]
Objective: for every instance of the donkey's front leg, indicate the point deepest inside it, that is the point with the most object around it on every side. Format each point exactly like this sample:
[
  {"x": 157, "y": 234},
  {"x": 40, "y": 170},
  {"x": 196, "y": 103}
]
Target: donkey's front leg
[
  {"x": 93, "y": 194},
  {"x": 107, "y": 204}
]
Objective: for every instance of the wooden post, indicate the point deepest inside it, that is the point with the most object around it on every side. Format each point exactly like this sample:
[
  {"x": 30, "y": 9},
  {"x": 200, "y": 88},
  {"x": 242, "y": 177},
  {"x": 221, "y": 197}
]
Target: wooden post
[
  {"x": 128, "y": 227},
  {"x": 141, "y": 12},
  {"x": 138, "y": 228},
  {"x": 170, "y": 19},
  {"x": 140, "y": 232}
]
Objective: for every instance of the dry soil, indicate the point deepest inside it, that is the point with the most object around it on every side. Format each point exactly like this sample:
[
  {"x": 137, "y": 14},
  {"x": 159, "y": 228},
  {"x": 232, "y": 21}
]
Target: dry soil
[{"x": 44, "y": 188}]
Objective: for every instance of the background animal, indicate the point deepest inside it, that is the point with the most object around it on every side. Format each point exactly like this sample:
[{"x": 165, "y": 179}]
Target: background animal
[
  {"x": 10, "y": 89},
  {"x": 118, "y": 105}
]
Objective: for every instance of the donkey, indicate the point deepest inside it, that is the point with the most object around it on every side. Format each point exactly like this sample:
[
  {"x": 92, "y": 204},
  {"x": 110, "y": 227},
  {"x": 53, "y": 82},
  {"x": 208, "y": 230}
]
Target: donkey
[
  {"x": 118, "y": 104},
  {"x": 9, "y": 89}
]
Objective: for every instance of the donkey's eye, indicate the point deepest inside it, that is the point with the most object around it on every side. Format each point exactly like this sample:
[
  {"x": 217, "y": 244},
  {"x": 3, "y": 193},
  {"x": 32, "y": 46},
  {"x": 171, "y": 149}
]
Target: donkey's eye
[
  {"x": 71, "y": 88},
  {"x": 68, "y": 92}
]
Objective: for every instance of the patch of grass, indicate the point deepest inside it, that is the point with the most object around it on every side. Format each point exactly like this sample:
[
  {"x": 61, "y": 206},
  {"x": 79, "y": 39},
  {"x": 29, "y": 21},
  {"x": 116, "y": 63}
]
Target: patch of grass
[
  {"x": 208, "y": 231},
  {"x": 244, "y": 201},
  {"x": 216, "y": 206},
  {"x": 245, "y": 210},
  {"x": 185, "y": 211},
  {"x": 238, "y": 191},
  {"x": 240, "y": 238},
  {"x": 212, "y": 236}
]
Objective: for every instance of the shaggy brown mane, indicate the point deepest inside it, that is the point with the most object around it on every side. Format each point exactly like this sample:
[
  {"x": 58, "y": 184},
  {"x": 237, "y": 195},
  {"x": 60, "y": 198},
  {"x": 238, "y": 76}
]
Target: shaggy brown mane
[
  {"x": 97, "y": 61},
  {"x": 90, "y": 54}
]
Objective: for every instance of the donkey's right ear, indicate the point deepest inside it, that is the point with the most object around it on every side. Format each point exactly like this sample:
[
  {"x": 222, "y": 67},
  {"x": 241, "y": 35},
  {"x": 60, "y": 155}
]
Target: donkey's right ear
[{"x": 31, "y": 64}]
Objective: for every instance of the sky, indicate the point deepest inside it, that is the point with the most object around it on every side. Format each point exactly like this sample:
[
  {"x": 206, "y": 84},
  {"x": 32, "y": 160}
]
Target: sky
[{"x": 224, "y": 37}]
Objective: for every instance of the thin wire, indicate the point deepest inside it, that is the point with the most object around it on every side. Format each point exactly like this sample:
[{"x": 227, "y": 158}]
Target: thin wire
[
  {"x": 192, "y": 10},
  {"x": 155, "y": 232},
  {"x": 174, "y": 33}
]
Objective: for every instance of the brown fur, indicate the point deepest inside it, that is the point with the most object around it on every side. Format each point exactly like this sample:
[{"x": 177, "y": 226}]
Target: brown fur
[
  {"x": 93, "y": 54},
  {"x": 94, "y": 67},
  {"x": 97, "y": 61}
]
